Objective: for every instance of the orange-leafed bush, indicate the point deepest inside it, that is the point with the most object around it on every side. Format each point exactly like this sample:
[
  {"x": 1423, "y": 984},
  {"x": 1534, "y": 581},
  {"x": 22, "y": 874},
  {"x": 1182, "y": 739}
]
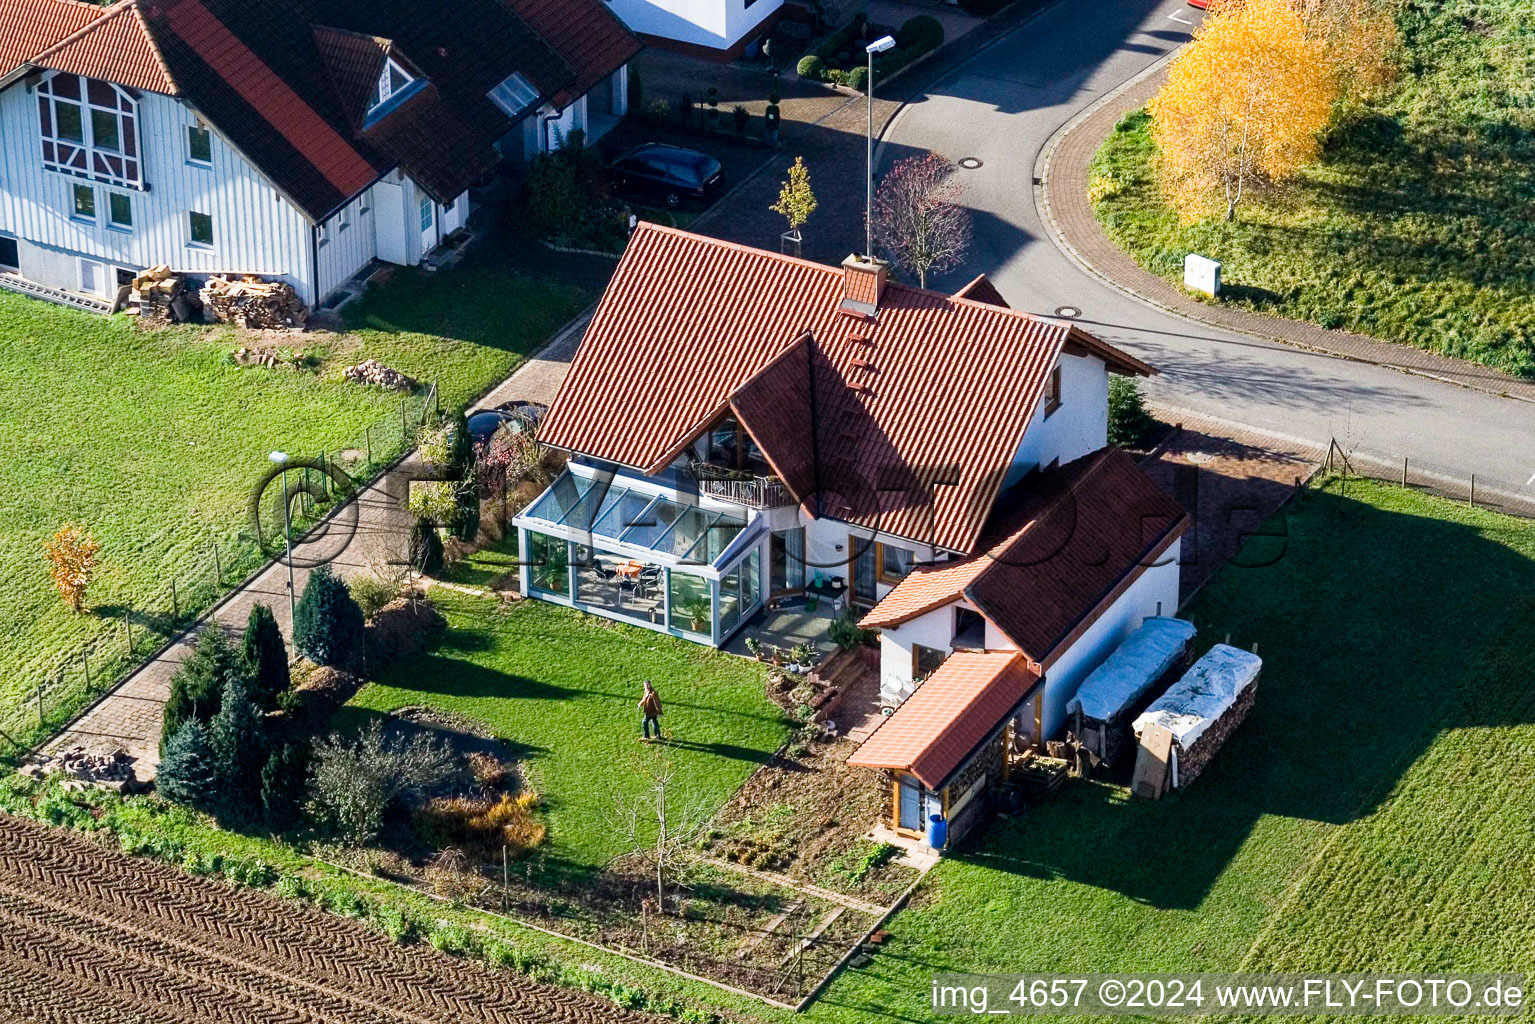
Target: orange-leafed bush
[
  {"x": 71, "y": 555},
  {"x": 479, "y": 826}
]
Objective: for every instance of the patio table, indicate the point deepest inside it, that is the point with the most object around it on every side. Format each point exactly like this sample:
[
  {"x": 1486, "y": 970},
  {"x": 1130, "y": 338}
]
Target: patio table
[{"x": 630, "y": 569}]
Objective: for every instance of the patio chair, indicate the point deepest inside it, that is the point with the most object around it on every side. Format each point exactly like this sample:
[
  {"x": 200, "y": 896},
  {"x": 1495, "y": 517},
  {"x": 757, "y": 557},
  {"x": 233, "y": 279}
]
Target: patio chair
[{"x": 646, "y": 581}]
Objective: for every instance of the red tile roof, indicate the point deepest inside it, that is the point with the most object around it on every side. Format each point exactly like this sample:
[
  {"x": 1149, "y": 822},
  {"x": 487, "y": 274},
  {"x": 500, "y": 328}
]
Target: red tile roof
[
  {"x": 116, "y": 47},
  {"x": 934, "y": 397},
  {"x": 982, "y": 290},
  {"x": 587, "y": 35},
  {"x": 28, "y": 27},
  {"x": 936, "y": 729},
  {"x": 1052, "y": 557}
]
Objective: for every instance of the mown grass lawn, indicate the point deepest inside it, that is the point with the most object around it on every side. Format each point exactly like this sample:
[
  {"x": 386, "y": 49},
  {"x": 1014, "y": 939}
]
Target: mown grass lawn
[
  {"x": 562, "y": 688},
  {"x": 1375, "y": 812},
  {"x": 154, "y": 440},
  {"x": 1414, "y": 227}
]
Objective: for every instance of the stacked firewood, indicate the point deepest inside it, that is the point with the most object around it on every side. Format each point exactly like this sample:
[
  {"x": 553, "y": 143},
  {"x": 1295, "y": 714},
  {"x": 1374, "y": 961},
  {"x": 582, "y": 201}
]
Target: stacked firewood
[
  {"x": 1193, "y": 760},
  {"x": 158, "y": 294},
  {"x": 251, "y": 302}
]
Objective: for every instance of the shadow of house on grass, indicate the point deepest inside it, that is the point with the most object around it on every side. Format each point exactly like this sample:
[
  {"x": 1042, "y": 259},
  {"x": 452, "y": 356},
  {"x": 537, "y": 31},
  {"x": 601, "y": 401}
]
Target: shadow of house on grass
[{"x": 1379, "y": 631}]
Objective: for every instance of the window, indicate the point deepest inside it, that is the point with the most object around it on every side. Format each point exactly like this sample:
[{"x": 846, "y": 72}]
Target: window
[
  {"x": 925, "y": 660},
  {"x": 548, "y": 564},
  {"x": 321, "y": 235},
  {"x": 894, "y": 563},
  {"x": 344, "y": 221},
  {"x": 201, "y": 226},
  {"x": 88, "y": 129},
  {"x": 120, "y": 210},
  {"x": 92, "y": 276},
  {"x": 428, "y": 216},
  {"x": 1053, "y": 391},
  {"x": 85, "y": 202},
  {"x": 199, "y": 144},
  {"x": 392, "y": 81},
  {"x": 514, "y": 95},
  {"x": 10, "y": 253}
]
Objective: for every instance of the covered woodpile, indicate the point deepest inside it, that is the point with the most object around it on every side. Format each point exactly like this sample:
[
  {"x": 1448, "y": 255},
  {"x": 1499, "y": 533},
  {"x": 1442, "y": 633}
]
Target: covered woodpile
[
  {"x": 1116, "y": 690},
  {"x": 160, "y": 296},
  {"x": 249, "y": 301},
  {"x": 1182, "y": 729}
]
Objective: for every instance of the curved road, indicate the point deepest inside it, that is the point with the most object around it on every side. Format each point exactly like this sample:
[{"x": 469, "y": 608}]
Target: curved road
[{"x": 1004, "y": 104}]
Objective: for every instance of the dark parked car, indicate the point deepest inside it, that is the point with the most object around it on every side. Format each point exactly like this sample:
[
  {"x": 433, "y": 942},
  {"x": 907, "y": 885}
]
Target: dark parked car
[{"x": 669, "y": 173}]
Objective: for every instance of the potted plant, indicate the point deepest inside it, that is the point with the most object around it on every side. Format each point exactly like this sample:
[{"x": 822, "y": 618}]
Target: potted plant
[
  {"x": 754, "y": 647},
  {"x": 697, "y": 611},
  {"x": 742, "y": 118}
]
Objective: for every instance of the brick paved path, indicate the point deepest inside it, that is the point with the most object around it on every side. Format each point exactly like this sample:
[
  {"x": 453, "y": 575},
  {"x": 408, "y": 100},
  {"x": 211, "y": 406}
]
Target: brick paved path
[
  {"x": 1070, "y": 216},
  {"x": 128, "y": 716}
]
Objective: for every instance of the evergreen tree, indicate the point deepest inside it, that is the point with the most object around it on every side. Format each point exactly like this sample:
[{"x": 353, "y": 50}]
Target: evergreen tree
[
  {"x": 426, "y": 552},
  {"x": 199, "y": 682},
  {"x": 1131, "y": 424},
  {"x": 283, "y": 780},
  {"x": 238, "y": 743},
  {"x": 461, "y": 450},
  {"x": 466, "y": 510},
  {"x": 265, "y": 657},
  {"x": 186, "y": 774},
  {"x": 328, "y": 624}
]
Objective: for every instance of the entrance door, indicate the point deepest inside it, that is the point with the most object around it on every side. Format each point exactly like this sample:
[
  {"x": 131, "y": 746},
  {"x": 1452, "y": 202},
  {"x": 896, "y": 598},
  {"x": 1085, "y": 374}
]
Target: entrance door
[
  {"x": 787, "y": 561},
  {"x": 863, "y": 570},
  {"x": 916, "y": 803},
  {"x": 389, "y": 222},
  {"x": 428, "y": 215}
]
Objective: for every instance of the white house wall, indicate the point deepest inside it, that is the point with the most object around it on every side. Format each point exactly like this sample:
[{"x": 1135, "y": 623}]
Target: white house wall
[
  {"x": 1154, "y": 592},
  {"x": 716, "y": 24},
  {"x": 1076, "y": 428},
  {"x": 255, "y": 229}
]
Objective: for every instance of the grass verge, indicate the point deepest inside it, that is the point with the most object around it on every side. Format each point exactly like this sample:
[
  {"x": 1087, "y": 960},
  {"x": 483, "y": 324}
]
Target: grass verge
[{"x": 1414, "y": 225}]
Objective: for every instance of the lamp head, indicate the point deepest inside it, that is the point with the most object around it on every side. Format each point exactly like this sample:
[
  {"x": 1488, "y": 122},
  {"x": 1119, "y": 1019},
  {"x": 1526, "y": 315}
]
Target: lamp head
[
  {"x": 280, "y": 458},
  {"x": 880, "y": 45}
]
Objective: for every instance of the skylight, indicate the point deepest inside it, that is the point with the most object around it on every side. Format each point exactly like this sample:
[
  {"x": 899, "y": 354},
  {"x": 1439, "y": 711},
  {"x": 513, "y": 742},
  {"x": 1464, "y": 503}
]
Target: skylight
[{"x": 514, "y": 96}]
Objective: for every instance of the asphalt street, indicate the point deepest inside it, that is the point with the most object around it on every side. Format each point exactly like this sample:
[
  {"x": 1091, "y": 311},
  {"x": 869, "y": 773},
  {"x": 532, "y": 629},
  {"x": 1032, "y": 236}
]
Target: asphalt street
[{"x": 1003, "y": 105}]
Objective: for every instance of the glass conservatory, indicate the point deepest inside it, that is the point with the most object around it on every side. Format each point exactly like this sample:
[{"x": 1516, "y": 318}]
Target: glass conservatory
[{"x": 630, "y": 549}]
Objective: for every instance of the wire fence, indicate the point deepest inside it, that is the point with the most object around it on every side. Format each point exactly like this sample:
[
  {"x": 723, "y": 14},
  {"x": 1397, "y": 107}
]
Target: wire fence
[
  {"x": 145, "y": 623},
  {"x": 1474, "y": 491}
]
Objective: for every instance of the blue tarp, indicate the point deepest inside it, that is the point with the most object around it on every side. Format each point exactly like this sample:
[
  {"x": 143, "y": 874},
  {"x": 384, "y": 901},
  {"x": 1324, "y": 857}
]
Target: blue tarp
[{"x": 1133, "y": 667}]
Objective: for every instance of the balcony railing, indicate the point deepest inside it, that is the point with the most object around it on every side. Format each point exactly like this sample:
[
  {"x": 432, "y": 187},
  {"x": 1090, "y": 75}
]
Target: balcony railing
[{"x": 741, "y": 488}]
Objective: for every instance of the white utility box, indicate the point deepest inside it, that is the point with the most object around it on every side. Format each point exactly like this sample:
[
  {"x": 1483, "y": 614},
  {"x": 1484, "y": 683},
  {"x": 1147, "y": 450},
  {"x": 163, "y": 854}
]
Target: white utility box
[{"x": 1202, "y": 274}]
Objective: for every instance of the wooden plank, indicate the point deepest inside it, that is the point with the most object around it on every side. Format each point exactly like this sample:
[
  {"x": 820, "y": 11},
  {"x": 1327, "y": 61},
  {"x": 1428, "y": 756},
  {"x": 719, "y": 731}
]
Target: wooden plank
[{"x": 1151, "y": 762}]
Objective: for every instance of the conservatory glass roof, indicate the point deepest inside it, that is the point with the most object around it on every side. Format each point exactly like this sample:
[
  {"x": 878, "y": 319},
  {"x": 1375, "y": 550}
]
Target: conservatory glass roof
[{"x": 608, "y": 509}]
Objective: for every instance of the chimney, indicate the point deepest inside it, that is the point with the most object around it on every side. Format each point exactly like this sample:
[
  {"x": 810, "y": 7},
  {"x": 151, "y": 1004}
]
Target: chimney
[{"x": 863, "y": 285}]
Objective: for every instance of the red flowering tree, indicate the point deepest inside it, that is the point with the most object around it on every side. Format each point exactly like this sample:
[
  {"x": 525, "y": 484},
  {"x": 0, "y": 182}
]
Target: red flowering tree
[{"x": 919, "y": 222}]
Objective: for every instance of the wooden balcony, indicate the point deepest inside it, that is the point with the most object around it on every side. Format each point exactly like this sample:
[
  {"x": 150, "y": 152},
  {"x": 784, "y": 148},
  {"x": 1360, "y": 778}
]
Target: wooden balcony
[{"x": 741, "y": 488}]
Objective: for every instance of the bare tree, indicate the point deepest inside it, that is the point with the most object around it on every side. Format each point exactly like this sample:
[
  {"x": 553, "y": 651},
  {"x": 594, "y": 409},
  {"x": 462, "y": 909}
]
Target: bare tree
[
  {"x": 661, "y": 819},
  {"x": 919, "y": 221},
  {"x": 354, "y": 780}
]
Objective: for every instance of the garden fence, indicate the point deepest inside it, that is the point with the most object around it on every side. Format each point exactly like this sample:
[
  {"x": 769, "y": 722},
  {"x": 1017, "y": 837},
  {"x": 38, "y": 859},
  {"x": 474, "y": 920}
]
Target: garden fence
[
  {"x": 142, "y": 624},
  {"x": 1467, "y": 487}
]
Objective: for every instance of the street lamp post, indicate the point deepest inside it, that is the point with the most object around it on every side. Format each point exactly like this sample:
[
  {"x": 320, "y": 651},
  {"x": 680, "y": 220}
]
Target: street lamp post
[
  {"x": 281, "y": 458},
  {"x": 879, "y": 45}
]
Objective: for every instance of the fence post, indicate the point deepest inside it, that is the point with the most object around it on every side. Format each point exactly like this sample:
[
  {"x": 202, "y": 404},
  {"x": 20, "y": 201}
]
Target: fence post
[
  {"x": 436, "y": 402},
  {"x": 368, "y": 433},
  {"x": 218, "y": 568},
  {"x": 40, "y": 705},
  {"x": 1471, "y": 498},
  {"x": 128, "y": 628},
  {"x": 85, "y": 663},
  {"x": 404, "y": 423},
  {"x": 175, "y": 601}
]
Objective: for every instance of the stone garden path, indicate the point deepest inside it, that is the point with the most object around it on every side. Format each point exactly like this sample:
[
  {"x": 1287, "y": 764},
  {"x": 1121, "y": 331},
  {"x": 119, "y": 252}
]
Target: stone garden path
[{"x": 371, "y": 530}]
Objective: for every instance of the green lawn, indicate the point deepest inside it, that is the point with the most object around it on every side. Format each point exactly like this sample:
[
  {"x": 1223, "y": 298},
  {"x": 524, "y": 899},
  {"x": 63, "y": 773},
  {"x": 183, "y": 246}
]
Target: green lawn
[
  {"x": 561, "y": 688},
  {"x": 155, "y": 439},
  {"x": 1374, "y": 813},
  {"x": 1415, "y": 226}
]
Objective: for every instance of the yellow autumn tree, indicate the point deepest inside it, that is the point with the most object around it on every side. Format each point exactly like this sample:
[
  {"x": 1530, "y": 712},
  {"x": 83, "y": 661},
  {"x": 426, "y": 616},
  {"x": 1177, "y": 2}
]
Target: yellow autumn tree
[
  {"x": 1246, "y": 101},
  {"x": 71, "y": 555},
  {"x": 1358, "y": 38}
]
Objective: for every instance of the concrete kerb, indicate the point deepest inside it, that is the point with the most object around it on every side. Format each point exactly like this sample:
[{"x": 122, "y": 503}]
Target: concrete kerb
[{"x": 1042, "y": 201}]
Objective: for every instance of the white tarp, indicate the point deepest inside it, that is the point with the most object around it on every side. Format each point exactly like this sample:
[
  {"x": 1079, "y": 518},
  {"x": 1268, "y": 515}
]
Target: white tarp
[
  {"x": 1209, "y": 688},
  {"x": 1133, "y": 667}
]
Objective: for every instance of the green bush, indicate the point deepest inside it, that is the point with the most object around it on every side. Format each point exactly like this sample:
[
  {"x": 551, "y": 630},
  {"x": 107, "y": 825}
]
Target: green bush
[
  {"x": 282, "y": 787},
  {"x": 186, "y": 774},
  {"x": 812, "y": 67},
  {"x": 426, "y": 552},
  {"x": 921, "y": 33},
  {"x": 371, "y": 593},
  {"x": 460, "y": 448},
  {"x": 199, "y": 681},
  {"x": 238, "y": 744},
  {"x": 466, "y": 509},
  {"x": 856, "y": 78},
  {"x": 266, "y": 658},
  {"x": 327, "y": 625},
  {"x": 845, "y": 632},
  {"x": 1131, "y": 425}
]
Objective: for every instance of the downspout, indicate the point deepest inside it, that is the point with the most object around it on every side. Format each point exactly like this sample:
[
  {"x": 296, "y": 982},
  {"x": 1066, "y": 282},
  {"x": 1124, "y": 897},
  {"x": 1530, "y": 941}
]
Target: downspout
[
  {"x": 815, "y": 427},
  {"x": 549, "y": 120},
  {"x": 314, "y": 261}
]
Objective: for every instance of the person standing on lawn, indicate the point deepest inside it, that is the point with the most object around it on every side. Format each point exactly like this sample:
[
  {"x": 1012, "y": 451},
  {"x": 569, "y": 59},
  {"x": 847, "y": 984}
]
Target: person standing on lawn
[{"x": 650, "y": 711}]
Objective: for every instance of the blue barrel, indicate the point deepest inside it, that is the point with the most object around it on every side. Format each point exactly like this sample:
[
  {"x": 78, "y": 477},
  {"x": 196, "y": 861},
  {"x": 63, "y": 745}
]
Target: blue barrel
[{"x": 937, "y": 831}]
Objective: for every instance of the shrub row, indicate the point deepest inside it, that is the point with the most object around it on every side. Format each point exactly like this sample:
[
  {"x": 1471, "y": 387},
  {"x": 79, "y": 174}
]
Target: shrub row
[{"x": 919, "y": 35}]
